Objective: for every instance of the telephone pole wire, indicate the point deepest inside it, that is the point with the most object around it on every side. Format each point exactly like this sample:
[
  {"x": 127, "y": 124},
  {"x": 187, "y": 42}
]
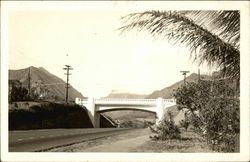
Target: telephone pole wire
[{"x": 67, "y": 68}]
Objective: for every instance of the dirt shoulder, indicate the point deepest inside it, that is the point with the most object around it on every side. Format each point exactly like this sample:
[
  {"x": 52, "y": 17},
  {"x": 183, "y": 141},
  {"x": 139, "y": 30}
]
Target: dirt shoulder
[{"x": 138, "y": 141}]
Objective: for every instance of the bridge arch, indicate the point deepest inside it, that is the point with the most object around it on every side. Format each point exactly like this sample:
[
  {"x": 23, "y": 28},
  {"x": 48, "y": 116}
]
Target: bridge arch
[
  {"x": 96, "y": 106},
  {"x": 125, "y": 108},
  {"x": 102, "y": 109}
]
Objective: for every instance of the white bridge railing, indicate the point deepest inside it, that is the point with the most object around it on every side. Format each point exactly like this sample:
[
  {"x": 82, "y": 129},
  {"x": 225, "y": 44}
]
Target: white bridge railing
[
  {"x": 83, "y": 101},
  {"x": 124, "y": 101}
]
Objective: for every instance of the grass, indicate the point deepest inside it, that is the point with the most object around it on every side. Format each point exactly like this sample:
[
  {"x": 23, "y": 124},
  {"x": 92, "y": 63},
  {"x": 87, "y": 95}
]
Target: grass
[{"x": 190, "y": 142}]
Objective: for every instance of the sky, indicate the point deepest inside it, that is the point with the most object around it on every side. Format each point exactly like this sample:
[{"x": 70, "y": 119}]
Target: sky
[{"x": 103, "y": 59}]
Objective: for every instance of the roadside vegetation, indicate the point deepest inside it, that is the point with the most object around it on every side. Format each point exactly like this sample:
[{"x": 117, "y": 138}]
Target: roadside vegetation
[
  {"x": 45, "y": 115},
  {"x": 166, "y": 129},
  {"x": 211, "y": 110}
]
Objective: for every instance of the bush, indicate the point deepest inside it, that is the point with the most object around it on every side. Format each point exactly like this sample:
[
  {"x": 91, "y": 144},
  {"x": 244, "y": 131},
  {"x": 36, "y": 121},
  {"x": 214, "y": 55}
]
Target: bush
[
  {"x": 18, "y": 94},
  {"x": 184, "y": 124},
  {"x": 213, "y": 109},
  {"x": 222, "y": 122},
  {"x": 166, "y": 129}
]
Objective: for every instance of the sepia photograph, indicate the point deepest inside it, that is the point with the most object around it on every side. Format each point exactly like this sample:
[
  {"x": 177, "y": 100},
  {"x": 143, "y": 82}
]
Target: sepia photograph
[{"x": 125, "y": 81}]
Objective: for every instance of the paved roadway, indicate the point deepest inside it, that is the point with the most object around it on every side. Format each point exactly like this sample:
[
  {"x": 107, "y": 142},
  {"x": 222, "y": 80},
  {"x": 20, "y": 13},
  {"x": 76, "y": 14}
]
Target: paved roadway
[{"x": 44, "y": 139}]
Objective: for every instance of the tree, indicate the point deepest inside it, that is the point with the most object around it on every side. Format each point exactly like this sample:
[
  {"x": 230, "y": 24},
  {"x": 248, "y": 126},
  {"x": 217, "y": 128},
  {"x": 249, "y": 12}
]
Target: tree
[
  {"x": 193, "y": 97},
  {"x": 212, "y": 36},
  {"x": 40, "y": 92},
  {"x": 214, "y": 110},
  {"x": 18, "y": 94}
]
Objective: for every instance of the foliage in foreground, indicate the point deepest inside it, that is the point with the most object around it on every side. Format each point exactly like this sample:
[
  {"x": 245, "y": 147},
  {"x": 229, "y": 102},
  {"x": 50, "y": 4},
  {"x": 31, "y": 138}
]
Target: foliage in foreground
[
  {"x": 166, "y": 129},
  {"x": 213, "y": 109},
  {"x": 184, "y": 124}
]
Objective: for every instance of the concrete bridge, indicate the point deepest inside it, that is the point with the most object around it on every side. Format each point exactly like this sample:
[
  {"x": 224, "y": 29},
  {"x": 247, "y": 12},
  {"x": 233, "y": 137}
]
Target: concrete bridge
[{"x": 97, "y": 106}]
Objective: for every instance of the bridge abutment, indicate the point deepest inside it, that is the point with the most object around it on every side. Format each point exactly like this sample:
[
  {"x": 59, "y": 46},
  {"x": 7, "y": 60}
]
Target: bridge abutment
[{"x": 93, "y": 114}]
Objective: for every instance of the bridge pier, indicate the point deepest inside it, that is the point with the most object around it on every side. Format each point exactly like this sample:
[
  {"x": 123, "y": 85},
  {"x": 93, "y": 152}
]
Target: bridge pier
[
  {"x": 93, "y": 114},
  {"x": 160, "y": 110}
]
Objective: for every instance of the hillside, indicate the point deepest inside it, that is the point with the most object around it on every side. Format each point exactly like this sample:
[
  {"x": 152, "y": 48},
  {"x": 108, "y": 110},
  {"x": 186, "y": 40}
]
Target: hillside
[
  {"x": 117, "y": 94},
  {"x": 41, "y": 78},
  {"x": 168, "y": 91},
  {"x": 129, "y": 114}
]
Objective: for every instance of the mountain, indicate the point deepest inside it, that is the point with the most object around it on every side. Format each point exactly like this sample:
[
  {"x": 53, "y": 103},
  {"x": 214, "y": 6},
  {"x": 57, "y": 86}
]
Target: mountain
[
  {"x": 117, "y": 94},
  {"x": 43, "y": 78},
  {"x": 129, "y": 114},
  {"x": 168, "y": 91}
]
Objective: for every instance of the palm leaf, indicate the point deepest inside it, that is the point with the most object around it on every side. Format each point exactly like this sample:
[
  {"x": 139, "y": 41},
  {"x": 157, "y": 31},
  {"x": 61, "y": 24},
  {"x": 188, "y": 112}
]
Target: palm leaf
[
  {"x": 224, "y": 23},
  {"x": 176, "y": 27}
]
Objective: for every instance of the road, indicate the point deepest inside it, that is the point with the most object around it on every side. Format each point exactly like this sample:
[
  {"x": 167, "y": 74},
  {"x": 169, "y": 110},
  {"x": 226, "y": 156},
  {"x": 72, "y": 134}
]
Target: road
[
  {"x": 137, "y": 140},
  {"x": 128, "y": 141},
  {"x": 41, "y": 140}
]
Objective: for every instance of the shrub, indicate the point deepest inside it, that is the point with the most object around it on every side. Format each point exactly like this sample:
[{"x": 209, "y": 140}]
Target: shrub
[
  {"x": 184, "y": 124},
  {"x": 169, "y": 130},
  {"x": 222, "y": 122},
  {"x": 18, "y": 94},
  {"x": 166, "y": 129},
  {"x": 214, "y": 110}
]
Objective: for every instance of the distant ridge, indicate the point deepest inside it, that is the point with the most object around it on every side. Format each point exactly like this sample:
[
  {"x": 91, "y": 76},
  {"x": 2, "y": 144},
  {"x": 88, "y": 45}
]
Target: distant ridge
[
  {"x": 168, "y": 91},
  {"x": 164, "y": 93},
  {"x": 44, "y": 77},
  {"x": 115, "y": 94}
]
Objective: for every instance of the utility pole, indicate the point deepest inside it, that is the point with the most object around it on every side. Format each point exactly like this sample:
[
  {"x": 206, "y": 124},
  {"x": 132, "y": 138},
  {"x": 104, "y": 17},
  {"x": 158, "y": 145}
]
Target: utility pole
[
  {"x": 67, "y": 83},
  {"x": 184, "y": 73}
]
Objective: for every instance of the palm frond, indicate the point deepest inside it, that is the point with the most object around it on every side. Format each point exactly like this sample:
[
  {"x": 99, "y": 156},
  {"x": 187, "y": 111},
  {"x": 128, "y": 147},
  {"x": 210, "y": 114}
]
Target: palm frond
[
  {"x": 224, "y": 23},
  {"x": 177, "y": 28}
]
